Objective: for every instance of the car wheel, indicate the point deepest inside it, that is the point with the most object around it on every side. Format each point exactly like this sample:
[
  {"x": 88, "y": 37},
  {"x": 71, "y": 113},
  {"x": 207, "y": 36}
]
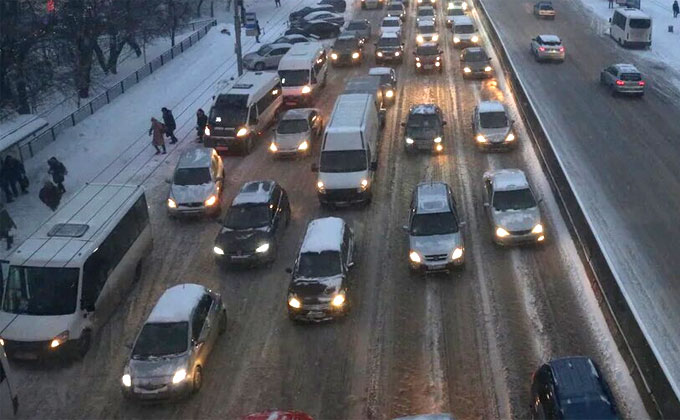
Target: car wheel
[
  {"x": 83, "y": 344},
  {"x": 222, "y": 323},
  {"x": 259, "y": 66},
  {"x": 197, "y": 382}
]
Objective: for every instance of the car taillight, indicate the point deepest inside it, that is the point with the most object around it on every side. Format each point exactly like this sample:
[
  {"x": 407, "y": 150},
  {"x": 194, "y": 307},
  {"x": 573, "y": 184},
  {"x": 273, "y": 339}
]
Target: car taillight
[
  {"x": 561, "y": 49},
  {"x": 641, "y": 83},
  {"x": 541, "y": 49},
  {"x": 620, "y": 82}
]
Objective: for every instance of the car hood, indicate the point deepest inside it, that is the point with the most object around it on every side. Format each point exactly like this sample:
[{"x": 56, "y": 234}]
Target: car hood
[
  {"x": 342, "y": 180},
  {"x": 495, "y": 135},
  {"x": 345, "y": 50},
  {"x": 516, "y": 220},
  {"x": 388, "y": 48},
  {"x": 157, "y": 367},
  {"x": 317, "y": 289},
  {"x": 243, "y": 240},
  {"x": 252, "y": 56},
  {"x": 290, "y": 141},
  {"x": 33, "y": 327},
  {"x": 435, "y": 244},
  {"x": 191, "y": 193},
  {"x": 428, "y": 58},
  {"x": 422, "y": 133}
]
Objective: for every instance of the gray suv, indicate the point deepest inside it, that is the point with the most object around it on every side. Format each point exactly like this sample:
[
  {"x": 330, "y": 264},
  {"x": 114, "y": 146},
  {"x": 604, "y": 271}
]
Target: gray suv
[
  {"x": 169, "y": 354},
  {"x": 491, "y": 126},
  {"x": 197, "y": 183},
  {"x": 434, "y": 229},
  {"x": 512, "y": 208}
]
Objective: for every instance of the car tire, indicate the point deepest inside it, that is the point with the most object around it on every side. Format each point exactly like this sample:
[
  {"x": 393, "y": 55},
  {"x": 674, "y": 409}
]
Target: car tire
[
  {"x": 83, "y": 344},
  {"x": 259, "y": 66},
  {"x": 222, "y": 325},
  {"x": 197, "y": 380}
]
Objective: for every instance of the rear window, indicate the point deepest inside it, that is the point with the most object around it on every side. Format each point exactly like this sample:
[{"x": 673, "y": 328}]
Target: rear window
[
  {"x": 393, "y": 7},
  {"x": 551, "y": 43},
  {"x": 631, "y": 77},
  {"x": 640, "y": 23}
]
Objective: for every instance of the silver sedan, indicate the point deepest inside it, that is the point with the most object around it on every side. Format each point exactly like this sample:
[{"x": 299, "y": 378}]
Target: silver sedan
[{"x": 548, "y": 48}]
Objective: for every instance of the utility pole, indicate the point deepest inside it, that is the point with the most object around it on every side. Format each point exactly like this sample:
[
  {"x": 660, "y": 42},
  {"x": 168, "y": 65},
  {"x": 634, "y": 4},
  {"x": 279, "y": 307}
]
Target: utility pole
[{"x": 238, "y": 4}]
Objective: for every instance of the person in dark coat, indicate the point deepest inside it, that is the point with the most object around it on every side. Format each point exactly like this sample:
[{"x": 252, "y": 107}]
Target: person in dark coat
[
  {"x": 257, "y": 31},
  {"x": 58, "y": 172},
  {"x": 676, "y": 9},
  {"x": 277, "y": 3},
  {"x": 7, "y": 227},
  {"x": 201, "y": 122},
  {"x": 16, "y": 174},
  {"x": 158, "y": 129},
  {"x": 4, "y": 183},
  {"x": 170, "y": 125},
  {"x": 50, "y": 195}
]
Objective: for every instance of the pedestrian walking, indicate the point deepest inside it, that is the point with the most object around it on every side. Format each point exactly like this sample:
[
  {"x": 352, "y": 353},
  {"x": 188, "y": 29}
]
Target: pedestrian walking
[
  {"x": 169, "y": 121},
  {"x": 611, "y": 4},
  {"x": 277, "y": 3},
  {"x": 58, "y": 172},
  {"x": 201, "y": 122},
  {"x": 4, "y": 183},
  {"x": 257, "y": 31},
  {"x": 157, "y": 129},
  {"x": 7, "y": 227},
  {"x": 16, "y": 174},
  {"x": 676, "y": 9},
  {"x": 50, "y": 195}
]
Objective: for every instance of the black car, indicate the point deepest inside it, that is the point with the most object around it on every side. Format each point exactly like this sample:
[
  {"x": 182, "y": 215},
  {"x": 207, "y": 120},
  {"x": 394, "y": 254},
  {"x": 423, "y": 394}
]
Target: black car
[
  {"x": 339, "y": 6},
  {"x": 571, "y": 388},
  {"x": 299, "y": 14},
  {"x": 475, "y": 63},
  {"x": 389, "y": 48},
  {"x": 428, "y": 57},
  {"x": 424, "y": 128},
  {"x": 253, "y": 224},
  {"x": 347, "y": 50},
  {"x": 318, "y": 28}
]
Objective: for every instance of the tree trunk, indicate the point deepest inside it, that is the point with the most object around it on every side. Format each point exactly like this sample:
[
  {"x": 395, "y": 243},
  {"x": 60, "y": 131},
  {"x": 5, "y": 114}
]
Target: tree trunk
[
  {"x": 84, "y": 67},
  {"x": 134, "y": 45},
  {"x": 100, "y": 56},
  {"x": 198, "y": 8}
]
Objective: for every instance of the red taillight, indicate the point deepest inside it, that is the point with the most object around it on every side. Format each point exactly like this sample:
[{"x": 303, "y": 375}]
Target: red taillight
[
  {"x": 620, "y": 82},
  {"x": 641, "y": 83},
  {"x": 561, "y": 49},
  {"x": 541, "y": 49}
]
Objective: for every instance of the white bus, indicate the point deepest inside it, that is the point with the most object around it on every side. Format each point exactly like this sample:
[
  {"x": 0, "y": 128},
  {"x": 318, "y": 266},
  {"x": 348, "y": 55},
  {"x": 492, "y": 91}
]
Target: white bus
[
  {"x": 85, "y": 257},
  {"x": 9, "y": 402},
  {"x": 631, "y": 28}
]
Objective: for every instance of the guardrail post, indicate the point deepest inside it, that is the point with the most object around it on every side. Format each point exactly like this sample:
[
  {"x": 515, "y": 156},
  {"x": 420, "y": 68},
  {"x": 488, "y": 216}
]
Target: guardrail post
[
  {"x": 108, "y": 101},
  {"x": 122, "y": 87},
  {"x": 73, "y": 120},
  {"x": 30, "y": 148},
  {"x": 91, "y": 110}
]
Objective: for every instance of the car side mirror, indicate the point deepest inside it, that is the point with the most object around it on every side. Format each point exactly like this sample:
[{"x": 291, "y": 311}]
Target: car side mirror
[
  {"x": 374, "y": 166},
  {"x": 168, "y": 180},
  {"x": 486, "y": 204},
  {"x": 315, "y": 167},
  {"x": 404, "y": 228},
  {"x": 289, "y": 270}
]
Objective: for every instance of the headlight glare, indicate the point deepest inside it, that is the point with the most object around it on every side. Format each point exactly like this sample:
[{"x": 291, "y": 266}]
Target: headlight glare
[
  {"x": 338, "y": 300},
  {"x": 379, "y": 54},
  {"x": 355, "y": 55},
  {"x": 59, "y": 339},
  {"x": 456, "y": 40},
  {"x": 397, "y": 53},
  {"x": 537, "y": 229},
  {"x": 217, "y": 250},
  {"x": 409, "y": 140},
  {"x": 273, "y": 148},
  {"x": 242, "y": 132},
  {"x": 413, "y": 256},
  {"x": 207, "y": 130},
  {"x": 306, "y": 89},
  {"x": 419, "y": 38},
  {"x": 179, "y": 376},
  {"x": 435, "y": 37},
  {"x": 487, "y": 68},
  {"x": 171, "y": 203},
  {"x": 211, "y": 201},
  {"x": 501, "y": 233},
  {"x": 363, "y": 184},
  {"x": 262, "y": 248},
  {"x": 510, "y": 137},
  {"x": 481, "y": 139},
  {"x": 437, "y": 139},
  {"x": 389, "y": 93},
  {"x": 304, "y": 145},
  {"x": 467, "y": 70},
  {"x": 127, "y": 380},
  {"x": 334, "y": 56},
  {"x": 320, "y": 186},
  {"x": 457, "y": 253},
  {"x": 475, "y": 38},
  {"x": 294, "y": 303}
]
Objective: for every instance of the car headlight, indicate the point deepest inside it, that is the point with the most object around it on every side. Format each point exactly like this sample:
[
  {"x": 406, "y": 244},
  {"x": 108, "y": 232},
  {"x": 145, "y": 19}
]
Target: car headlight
[
  {"x": 537, "y": 229},
  {"x": 217, "y": 250},
  {"x": 475, "y": 38},
  {"x": 355, "y": 55},
  {"x": 206, "y": 131},
  {"x": 2, "y": 342},
  {"x": 334, "y": 56},
  {"x": 501, "y": 233},
  {"x": 437, "y": 64},
  {"x": 179, "y": 376},
  {"x": 210, "y": 201},
  {"x": 465, "y": 6},
  {"x": 467, "y": 69},
  {"x": 273, "y": 148},
  {"x": 456, "y": 40},
  {"x": 457, "y": 253},
  {"x": 293, "y": 302},
  {"x": 379, "y": 54},
  {"x": 242, "y": 132},
  {"x": 338, "y": 300},
  {"x": 437, "y": 139},
  {"x": 171, "y": 203},
  {"x": 487, "y": 68},
  {"x": 397, "y": 53},
  {"x": 306, "y": 89},
  {"x": 126, "y": 380},
  {"x": 481, "y": 139},
  {"x": 303, "y": 146},
  {"x": 59, "y": 339},
  {"x": 419, "y": 38},
  {"x": 363, "y": 185},
  {"x": 320, "y": 186},
  {"x": 409, "y": 140},
  {"x": 417, "y": 58},
  {"x": 439, "y": 147},
  {"x": 435, "y": 37},
  {"x": 413, "y": 256},
  {"x": 510, "y": 137},
  {"x": 389, "y": 93},
  {"x": 418, "y": 64},
  {"x": 262, "y": 248}
]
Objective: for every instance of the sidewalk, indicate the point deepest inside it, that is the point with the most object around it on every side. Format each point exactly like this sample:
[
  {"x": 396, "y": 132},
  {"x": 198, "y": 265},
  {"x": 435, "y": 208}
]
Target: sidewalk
[{"x": 113, "y": 145}]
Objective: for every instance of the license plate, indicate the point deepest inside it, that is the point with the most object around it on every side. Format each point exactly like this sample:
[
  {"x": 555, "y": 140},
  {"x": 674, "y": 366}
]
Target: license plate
[
  {"x": 428, "y": 66},
  {"x": 239, "y": 257},
  {"x": 315, "y": 314},
  {"x": 26, "y": 356}
]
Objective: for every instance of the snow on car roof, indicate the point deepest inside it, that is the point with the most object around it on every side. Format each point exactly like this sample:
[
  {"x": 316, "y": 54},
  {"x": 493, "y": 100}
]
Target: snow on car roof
[
  {"x": 490, "y": 106},
  {"x": 509, "y": 179},
  {"x": 432, "y": 198},
  {"x": 323, "y": 234},
  {"x": 462, "y": 20},
  {"x": 423, "y": 109},
  {"x": 379, "y": 71},
  {"x": 254, "y": 192},
  {"x": 550, "y": 38},
  {"x": 391, "y": 19},
  {"x": 297, "y": 113},
  {"x": 628, "y": 68},
  {"x": 176, "y": 303},
  {"x": 198, "y": 157},
  {"x": 633, "y": 13}
]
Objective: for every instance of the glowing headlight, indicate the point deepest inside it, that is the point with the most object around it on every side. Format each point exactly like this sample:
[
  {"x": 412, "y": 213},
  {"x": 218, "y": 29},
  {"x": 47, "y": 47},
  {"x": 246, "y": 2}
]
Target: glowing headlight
[
  {"x": 273, "y": 148},
  {"x": 294, "y": 303},
  {"x": 171, "y": 203},
  {"x": 210, "y": 201},
  {"x": 397, "y": 53},
  {"x": 206, "y": 131},
  {"x": 218, "y": 119},
  {"x": 303, "y": 146},
  {"x": 420, "y": 1},
  {"x": 417, "y": 58},
  {"x": 414, "y": 257},
  {"x": 481, "y": 139},
  {"x": 59, "y": 339},
  {"x": 320, "y": 186},
  {"x": 355, "y": 55},
  {"x": 418, "y": 64},
  {"x": 179, "y": 376},
  {"x": 467, "y": 69},
  {"x": 334, "y": 56},
  {"x": 435, "y": 37},
  {"x": 242, "y": 132},
  {"x": 510, "y": 137},
  {"x": 501, "y": 233},
  {"x": 465, "y": 6},
  {"x": 389, "y": 93},
  {"x": 487, "y": 68},
  {"x": 419, "y": 39},
  {"x": 456, "y": 40},
  {"x": 437, "y": 64},
  {"x": 262, "y": 248},
  {"x": 217, "y": 250},
  {"x": 306, "y": 89},
  {"x": 409, "y": 140},
  {"x": 2, "y": 342},
  {"x": 457, "y": 253},
  {"x": 127, "y": 380},
  {"x": 338, "y": 300},
  {"x": 439, "y": 147},
  {"x": 475, "y": 38},
  {"x": 379, "y": 54},
  {"x": 364, "y": 184},
  {"x": 437, "y": 139},
  {"x": 537, "y": 229}
]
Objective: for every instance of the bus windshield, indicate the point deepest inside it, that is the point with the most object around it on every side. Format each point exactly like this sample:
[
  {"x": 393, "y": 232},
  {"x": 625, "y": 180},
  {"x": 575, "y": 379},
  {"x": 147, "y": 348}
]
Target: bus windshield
[
  {"x": 229, "y": 110},
  {"x": 294, "y": 77},
  {"x": 41, "y": 291}
]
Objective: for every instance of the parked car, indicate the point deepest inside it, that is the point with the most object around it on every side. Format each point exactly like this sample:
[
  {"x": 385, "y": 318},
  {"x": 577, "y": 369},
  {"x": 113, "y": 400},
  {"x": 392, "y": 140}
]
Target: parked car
[
  {"x": 319, "y": 285},
  {"x": 336, "y": 18},
  {"x": 544, "y": 9},
  {"x": 492, "y": 128},
  {"x": 171, "y": 350},
  {"x": 624, "y": 79},
  {"x": 388, "y": 80},
  {"x": 347, "y": 50},
  {"x": 424, "y": 128},
  {"x": 512, "y": 208},
  {"x": 548, "y": 48},
  {"x": 458, "y": 4},
  {"x": 293, "y": 39},
  {"x": 428, "y": 57},
  {"x": 476, "y": 63},
  {"x": 299, "y": 14},
  {"x": 389, "y": 48},
  {"x": 339, "y": 6},
  {"x": 296, "y": 131},
  {"x": 430, "y": 3},
  {"x": 359, "y": 27},
  {"x": 434, "y": 229},
  {"x": 196, "y": 184},
  {"x": 571, "y": 388},
  {"x": 397, "y": 10},
  {"x": 319, "y": 29},
  {"x": 465, "y": 32},
  {"x": 267, "y": 57},
  {"x": 253, "y": 226}
]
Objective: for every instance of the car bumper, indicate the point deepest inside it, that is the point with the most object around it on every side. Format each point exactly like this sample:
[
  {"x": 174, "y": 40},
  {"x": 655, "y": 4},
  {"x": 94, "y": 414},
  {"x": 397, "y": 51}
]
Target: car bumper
[
  {"x": 464, "y": 43},
  {"x": 244, "y": 259},
  {"x": 164, "y": 392},
  {"x": 496, "y": 147},
  {"x": 36, "y": 350},
  {"x": 429, "y": 67},
  {"x": 551, "y": 56},
  {"x": 515, "y": 239},
  {"x": 316, "y": 313},
  {"x": 478, "y": 74},
  {"x": 437, "y": 266},
  {"x": 345, "y": 197},
  {"x": 224, "y": 143},
  {"x": 347, "y": 60},
  {"x": 629, "y": 90},
  {"x": 426, "y": 145},
  {"x": 195, "y": 210},
  {"x": 389, "y": 57}
]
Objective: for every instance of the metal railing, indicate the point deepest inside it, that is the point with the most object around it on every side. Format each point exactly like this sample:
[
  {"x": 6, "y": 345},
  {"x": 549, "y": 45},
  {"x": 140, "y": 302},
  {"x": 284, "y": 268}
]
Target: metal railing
[{"x": 28, "y": 147}]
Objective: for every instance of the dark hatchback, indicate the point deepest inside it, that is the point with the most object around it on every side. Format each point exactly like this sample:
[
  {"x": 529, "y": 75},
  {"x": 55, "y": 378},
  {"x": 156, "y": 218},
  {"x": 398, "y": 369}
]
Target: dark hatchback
[
  {"x": 476, "y": 63},
  {"x": 389, "y": 48},
  {"x": 253, "y": 225},
  {"x": 428, "y": 57},
  {"x": 347, "y": 50},
  {"x": 424, "y": 128}
]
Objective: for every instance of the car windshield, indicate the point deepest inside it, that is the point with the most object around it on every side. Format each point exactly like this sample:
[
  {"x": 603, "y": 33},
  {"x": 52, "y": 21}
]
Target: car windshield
[
  {"x": 192, "y": 176},
  {"x": 493, "y": 120},
  {"x": 425, "y": 12},
  {"x": 631, "y": 77},
  {"x": 426, "y": 29},
  {"x": 247, "y": 216},
  {"x": 294, "y": 77},
  {"x": 640, "y": 23},
  {"x": 319, "y": 264},
  {"x": 423, "y": 121},
  {"x": 41, "y": 291},
  {"x": 465, "y": 29},
  {"x": 513, "y": 200},
  {"x": 345, "y": 44},
  {"x": 393, "y": 7},
  {"x": 229, "y": 110},
  {"x": 455, "y": 12},
  {"x": 475, "y": 55},
  {"x": 388, "y": 42},
  {"x": 264, "y": 50},
  {"x": 161, "y": 339},
  {"x": 546, "y": 7},
  {"x": 385, "y": 79},
  {"x": 434, "y": 224},
  {"x": 292, "y": 126},
  {"x": 343, "y": 161},
  {"x": 427, "y": 50},
  {"x": 390, "y": 23},
  {"x": 356, "y": 26}
]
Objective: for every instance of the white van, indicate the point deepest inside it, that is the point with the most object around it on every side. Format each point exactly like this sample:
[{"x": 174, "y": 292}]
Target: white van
[
  {"x": 303, "y": 71},
  {"x": 243, "y": 111},
  {"x": 86, "y": 256},
  {"x": 631, "y": 28},
  {"x": 349, "y": 152},
  {"x": 9, "y": 401}
]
